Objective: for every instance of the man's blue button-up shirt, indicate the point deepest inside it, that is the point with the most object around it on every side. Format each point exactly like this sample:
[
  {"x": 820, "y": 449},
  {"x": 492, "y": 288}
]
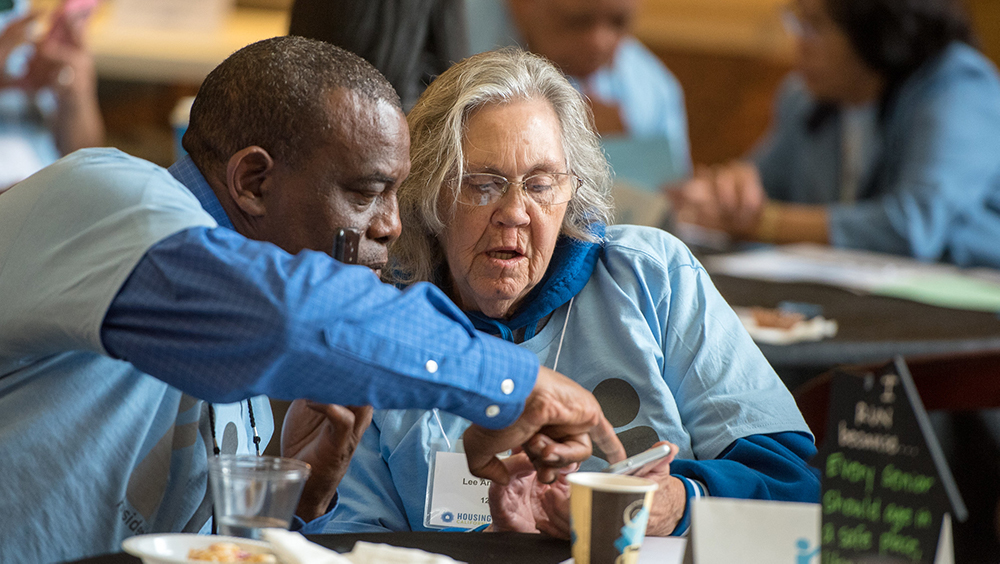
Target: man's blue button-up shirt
[{"x": 223, "y": 317}]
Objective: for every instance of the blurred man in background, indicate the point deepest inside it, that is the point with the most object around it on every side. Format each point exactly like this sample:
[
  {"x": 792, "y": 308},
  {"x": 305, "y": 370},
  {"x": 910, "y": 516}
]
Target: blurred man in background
[{"x": 631, "y": 92}]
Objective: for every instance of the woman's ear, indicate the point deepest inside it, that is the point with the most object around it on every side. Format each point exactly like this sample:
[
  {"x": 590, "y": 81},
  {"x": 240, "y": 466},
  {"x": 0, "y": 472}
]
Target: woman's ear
[{"x": 247, "y": 173}]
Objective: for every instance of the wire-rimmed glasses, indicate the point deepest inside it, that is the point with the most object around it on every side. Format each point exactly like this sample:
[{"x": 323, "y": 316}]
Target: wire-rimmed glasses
[{"x": 545, "y": 188}]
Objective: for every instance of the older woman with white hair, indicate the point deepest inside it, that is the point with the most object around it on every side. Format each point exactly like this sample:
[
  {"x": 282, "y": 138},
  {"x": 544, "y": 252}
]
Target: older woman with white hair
[{"x": 507, "y": 209}]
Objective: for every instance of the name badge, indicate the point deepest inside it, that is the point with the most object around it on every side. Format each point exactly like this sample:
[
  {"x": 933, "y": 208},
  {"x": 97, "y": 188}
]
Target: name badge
[{"x": 455, "y": 498}]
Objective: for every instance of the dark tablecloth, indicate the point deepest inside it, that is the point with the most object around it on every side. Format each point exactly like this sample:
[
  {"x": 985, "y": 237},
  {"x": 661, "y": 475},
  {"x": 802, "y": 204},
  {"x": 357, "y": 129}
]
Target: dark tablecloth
[
  {"x": 474, "y": 548},
  {"x": 871, "y": 328}
]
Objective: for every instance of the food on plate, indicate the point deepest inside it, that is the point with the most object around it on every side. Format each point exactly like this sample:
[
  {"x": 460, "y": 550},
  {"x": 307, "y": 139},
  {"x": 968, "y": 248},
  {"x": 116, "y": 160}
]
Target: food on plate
[
  {"x": 776, "y": 318},
  {"x": 229, "y": 552}
]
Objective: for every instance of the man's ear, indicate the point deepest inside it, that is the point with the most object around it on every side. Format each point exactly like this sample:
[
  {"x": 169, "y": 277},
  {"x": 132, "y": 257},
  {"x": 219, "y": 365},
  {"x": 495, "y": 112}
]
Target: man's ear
[{"x": 247, "y": 173}]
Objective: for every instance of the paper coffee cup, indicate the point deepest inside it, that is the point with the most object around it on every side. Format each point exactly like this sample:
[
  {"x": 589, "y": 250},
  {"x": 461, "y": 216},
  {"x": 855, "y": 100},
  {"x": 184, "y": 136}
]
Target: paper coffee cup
[{"x": 608, "y": 516}]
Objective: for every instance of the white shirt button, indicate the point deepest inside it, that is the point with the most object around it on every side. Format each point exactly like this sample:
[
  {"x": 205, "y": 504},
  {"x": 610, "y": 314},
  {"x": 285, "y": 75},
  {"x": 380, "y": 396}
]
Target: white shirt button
[
  {"x": 431, "y": 366},
  {"x": 507, "y": 386},
  {"x": 492, "y": 411}
]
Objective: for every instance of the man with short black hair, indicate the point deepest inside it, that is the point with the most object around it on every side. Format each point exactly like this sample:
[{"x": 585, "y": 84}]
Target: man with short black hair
[{"x": 144, "y": 309}]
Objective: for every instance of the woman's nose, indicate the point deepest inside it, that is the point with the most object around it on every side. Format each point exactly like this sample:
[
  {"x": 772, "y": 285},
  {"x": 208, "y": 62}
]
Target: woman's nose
[{"x": 512, "y": 207}]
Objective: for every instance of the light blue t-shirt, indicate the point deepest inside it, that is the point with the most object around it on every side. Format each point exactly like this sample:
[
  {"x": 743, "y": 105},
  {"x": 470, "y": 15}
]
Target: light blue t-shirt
[
  {"x": 115, "y": 442},
  {"x": 651, "y": 337}
]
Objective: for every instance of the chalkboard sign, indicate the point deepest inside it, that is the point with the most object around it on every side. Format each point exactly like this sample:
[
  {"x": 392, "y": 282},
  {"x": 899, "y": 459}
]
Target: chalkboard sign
[{"x": 885, "y": 484}]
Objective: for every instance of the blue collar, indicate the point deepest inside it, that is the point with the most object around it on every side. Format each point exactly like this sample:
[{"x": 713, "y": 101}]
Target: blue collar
[
  {"x": 188, "y": 174},
  {"x": 572, "y": 264}
]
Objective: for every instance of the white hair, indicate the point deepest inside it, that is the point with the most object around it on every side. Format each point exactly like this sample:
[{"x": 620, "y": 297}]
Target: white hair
[{"x": 437, "y": 127}]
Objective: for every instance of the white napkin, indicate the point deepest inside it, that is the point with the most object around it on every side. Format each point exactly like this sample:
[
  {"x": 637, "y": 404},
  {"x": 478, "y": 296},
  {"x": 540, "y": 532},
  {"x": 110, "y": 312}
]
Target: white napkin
[
  {"x": 293, "y": 548},
  {"x": 815, "y": 329},
  {"x": 371, "y": 553}
]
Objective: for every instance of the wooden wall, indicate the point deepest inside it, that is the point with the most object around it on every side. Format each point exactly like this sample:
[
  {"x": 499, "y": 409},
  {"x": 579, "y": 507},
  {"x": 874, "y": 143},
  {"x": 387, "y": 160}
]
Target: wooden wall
[
  {"x": 986, "y": 20},
  {"x": 729, "y": 55},
  {"x": 729, "y": 100}
]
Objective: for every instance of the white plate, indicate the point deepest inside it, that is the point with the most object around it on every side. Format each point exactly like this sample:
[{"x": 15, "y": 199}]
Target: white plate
[{"x": 173, "y": 548}]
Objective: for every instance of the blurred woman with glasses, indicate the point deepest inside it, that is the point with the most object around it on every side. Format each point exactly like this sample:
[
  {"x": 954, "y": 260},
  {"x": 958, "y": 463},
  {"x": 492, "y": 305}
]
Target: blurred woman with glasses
[
  {"x": 507, "y": 209},
  {"x": 885, "y": 139}
]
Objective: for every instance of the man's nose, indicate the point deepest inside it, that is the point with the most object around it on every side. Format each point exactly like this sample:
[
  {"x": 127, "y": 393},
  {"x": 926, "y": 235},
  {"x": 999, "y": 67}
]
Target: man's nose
[
  {"x": 602, "y": 38},
  {"x": 385, "y": 226}
]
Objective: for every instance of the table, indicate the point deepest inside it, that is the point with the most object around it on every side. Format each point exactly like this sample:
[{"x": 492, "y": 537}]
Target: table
[
  {"x": 473, "y": 548},
  {"x": 176, "y": 56},
  {"x": 953, "y": 356},
  {"x": 172, "y": 56},
  {"x": 872, "y": 329}
]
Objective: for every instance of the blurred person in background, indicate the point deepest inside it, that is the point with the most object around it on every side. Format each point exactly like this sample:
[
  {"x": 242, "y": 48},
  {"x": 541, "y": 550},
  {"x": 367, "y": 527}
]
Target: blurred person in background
[
  {"x": 885, "y": 139},
  {"x": 48, "y": 91},
  {"x": 408, "y": 41},
  {"x": 629, "y": 89}
]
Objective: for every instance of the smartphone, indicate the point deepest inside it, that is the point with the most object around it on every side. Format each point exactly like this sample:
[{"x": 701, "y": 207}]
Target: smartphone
[
  {"x": 632, "y": 464},
  {"x": 69, "y": 14},
  {"x": 345, "y": 245}
]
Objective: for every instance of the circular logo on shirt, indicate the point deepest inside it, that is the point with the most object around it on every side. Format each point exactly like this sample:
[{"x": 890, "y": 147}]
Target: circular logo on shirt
[{"x": 621, "y": 403}]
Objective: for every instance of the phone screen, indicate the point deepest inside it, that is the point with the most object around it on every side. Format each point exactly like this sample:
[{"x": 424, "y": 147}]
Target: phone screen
[{"x": 634, "y": 463}]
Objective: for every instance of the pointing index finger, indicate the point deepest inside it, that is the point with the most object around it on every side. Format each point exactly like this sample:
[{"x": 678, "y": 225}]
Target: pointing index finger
[{"x": 603, "y": 436}]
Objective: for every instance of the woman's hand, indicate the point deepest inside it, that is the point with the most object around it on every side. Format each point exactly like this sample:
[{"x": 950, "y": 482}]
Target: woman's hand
[
  {"x": 15, "y": 34},
  {"x": 727, "y": 198},
  {"x": 325, "y": 436},
  {"x": 528, "y": 506},
  {"x": 669, "y": 499},
  {"x": 65, "y": 65}
]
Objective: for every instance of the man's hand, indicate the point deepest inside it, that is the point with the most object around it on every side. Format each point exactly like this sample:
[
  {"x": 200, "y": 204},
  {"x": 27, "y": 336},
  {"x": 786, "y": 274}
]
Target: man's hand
[
  {"x": 325, "y": 436},
  {"x": 526, "y": 505},
  {"x": 555, "y": 429}
]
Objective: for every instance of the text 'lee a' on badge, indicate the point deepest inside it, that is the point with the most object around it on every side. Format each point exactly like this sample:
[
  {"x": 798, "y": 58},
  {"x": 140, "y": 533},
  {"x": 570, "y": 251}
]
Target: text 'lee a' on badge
[{"x": 455, "y": 498}]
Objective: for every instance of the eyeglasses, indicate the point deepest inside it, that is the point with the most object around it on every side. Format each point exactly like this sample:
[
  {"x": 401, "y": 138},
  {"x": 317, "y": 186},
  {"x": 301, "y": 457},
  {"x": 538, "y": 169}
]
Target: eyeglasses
[{"x": 546, "y": 189}]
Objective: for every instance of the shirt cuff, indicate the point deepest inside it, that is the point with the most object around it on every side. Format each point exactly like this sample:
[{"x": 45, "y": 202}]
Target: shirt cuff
[
  {"x": 506, "y": 383},
  {"x": 317, "y": 525},
  {"x": 692, "y": 490},
  {"x": 867, "y": 225}
]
